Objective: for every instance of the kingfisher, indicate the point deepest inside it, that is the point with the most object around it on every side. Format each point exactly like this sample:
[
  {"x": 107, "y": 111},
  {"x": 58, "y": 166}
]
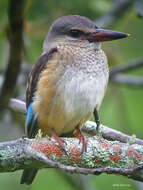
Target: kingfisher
[{"x": 67, "y": 83}]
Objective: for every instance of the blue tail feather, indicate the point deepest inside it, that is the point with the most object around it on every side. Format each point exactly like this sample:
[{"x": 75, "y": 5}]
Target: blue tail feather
[
  {"x": 32, "y": 129},
  {"x": 31, "y": 122}
]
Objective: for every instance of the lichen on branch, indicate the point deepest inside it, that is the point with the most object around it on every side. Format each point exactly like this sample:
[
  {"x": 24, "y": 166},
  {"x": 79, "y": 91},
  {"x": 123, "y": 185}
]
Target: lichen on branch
[{"x": 101, "y": 156}]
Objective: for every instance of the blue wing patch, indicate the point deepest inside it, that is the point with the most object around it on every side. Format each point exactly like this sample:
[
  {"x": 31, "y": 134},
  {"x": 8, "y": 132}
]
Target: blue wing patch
[{"x": 31, "y": 122}]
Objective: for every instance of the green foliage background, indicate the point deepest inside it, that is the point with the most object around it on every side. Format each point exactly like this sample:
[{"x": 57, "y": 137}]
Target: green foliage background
[{"x": 122, "y": 108}]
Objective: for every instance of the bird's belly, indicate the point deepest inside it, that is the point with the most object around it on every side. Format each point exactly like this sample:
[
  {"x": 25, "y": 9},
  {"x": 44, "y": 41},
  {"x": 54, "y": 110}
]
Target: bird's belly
[{"x": 72, "y": 104}]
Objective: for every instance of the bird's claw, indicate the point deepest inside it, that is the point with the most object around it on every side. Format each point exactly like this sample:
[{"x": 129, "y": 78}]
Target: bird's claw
[
  {"x": 82, "y": 139},
  {"x": 59, "y": 140}
]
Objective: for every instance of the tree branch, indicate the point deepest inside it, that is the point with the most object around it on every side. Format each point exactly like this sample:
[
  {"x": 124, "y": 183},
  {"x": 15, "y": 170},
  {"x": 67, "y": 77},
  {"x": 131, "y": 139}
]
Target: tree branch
[
  {"x": 15, "y": 37},
  {"x": 17, "y": 105},
  {"x": 117, "y": 76},
  {"x": 118, "y": 11},
  {"x": 128, "y": 80},
  {"x": 126, "y": 67},
  {"x": 102, "y": 156},
  {"x": 109, "y": 133}
]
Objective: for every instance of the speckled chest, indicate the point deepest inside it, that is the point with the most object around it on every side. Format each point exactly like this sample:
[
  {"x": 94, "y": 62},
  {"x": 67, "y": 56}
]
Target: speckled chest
[{"x": 84, "y": 81}]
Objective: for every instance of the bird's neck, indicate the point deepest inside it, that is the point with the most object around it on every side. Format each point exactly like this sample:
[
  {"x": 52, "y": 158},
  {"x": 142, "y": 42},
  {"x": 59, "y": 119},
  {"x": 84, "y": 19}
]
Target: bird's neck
[
  {"x": 71, "y": 43},
  {"x": 76, "y": 59}
]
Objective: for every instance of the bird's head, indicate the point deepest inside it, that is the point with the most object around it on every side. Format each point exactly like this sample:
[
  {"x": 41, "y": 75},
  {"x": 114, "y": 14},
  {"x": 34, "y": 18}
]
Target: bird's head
[{"x": 80, "y": 31}]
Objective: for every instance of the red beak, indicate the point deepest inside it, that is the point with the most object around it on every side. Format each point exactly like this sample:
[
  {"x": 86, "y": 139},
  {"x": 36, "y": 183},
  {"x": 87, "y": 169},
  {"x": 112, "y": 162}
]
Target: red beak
[{"x": 101, "y": 35}]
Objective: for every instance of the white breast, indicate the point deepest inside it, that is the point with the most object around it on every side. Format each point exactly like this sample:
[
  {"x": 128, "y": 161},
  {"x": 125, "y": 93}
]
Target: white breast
[{"x": 79, "y": 96}]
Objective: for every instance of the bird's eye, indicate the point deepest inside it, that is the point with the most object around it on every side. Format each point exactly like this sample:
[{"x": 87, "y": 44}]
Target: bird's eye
[{"x": 75, "y": 33}]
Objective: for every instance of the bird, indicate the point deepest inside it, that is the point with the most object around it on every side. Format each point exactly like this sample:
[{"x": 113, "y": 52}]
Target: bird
[{"x": 68, "y": 82}]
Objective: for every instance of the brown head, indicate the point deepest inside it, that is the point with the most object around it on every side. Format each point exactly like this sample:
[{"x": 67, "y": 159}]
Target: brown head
[{"x": 77, "y": 30}]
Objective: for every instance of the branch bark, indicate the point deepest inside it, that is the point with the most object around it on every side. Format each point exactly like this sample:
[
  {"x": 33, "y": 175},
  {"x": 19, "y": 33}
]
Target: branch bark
[{"x": 102, "y": 156}]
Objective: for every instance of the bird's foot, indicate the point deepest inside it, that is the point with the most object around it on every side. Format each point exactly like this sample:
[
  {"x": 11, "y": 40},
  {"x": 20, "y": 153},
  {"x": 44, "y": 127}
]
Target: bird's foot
[
  {"x": 81, "y": 138},
  {"x": 97, "y": 121},
  {"x": 59, "y": 140}
]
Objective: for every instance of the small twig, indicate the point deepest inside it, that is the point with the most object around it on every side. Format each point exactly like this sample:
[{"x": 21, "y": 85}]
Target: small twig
[
  {"x": 128, "y": 80},
  {"x": 126, "y": 67},
  {"x": 118, "y": 11},
  {"x": 15, "y": 37},
  {"x": 109, "y": 133},
  {"x": 17, "y": 105}
]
